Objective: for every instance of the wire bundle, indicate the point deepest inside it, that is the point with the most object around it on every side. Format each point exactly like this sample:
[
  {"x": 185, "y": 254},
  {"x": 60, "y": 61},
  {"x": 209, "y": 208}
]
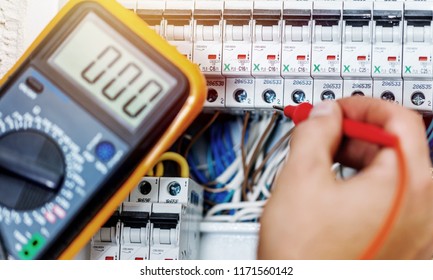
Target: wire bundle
[
  {"x": 236, "y": 159},
  {"x": 429, "y": 135}
]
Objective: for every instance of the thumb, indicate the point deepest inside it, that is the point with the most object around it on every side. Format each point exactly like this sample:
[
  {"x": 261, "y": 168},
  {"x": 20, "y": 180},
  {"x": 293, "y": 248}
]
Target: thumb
[{"x": 316, "y": 140}]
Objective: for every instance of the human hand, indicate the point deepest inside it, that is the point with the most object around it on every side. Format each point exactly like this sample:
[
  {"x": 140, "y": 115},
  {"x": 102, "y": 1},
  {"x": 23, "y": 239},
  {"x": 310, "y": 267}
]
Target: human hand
[{"x": 311, "y": 215}]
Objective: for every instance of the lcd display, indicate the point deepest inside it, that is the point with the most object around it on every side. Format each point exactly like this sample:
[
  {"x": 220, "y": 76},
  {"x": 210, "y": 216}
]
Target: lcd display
[{"x": 116, "y": 75}]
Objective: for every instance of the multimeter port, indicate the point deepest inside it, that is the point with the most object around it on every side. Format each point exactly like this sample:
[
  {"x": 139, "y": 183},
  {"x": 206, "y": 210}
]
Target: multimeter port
[{"x": 32, "y": 247}]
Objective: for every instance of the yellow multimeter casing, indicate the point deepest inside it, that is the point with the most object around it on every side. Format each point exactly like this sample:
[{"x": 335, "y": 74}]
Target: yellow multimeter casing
[{"x": 115, "y": 117}]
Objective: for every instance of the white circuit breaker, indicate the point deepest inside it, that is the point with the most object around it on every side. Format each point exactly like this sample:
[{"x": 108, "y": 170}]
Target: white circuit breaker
[
  {"x": 296, "y": 53},
  {"x": 356, "y": 49},
  {"x": 105, "y": 243},
  {"x": 135, "y": 231},
  {"x": 152, "y": 13},
  {"x": 159, "y": 220},
  {"x": 178, "y": 25},
  {"x": 326, "y": 51},
  {"x": 417, "y": 55},
  {"x": 208, "y": 37},
  {"x": 256, "y": 54},
  {"x": 387, "y": 51},
  {"x": 237, "y": 54},
  {"x": 266, "y": 54},
  {"x": 175, "y": 220}
]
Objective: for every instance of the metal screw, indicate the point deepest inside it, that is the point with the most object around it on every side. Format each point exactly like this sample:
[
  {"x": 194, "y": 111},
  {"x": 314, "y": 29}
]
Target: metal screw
[
  {"x": 327, "y": 95},
  {"x": 298, "y": 96},
  {"x": 174, "y": 188},
  {"x": 358, "y": 93},
  {"x": 144, "y": 187},
  {"x": 388, "y": 96},
  {"x": 269, "y": 96},
  {"x": 240, "y": 95},
  {"x": 417, "y": 98},
  {"x": 212, "y": 95}
]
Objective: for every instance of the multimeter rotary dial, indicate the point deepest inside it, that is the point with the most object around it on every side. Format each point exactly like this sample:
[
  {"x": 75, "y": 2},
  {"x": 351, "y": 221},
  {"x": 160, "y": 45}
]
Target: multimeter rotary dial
[{"x": 32, "y": 169}]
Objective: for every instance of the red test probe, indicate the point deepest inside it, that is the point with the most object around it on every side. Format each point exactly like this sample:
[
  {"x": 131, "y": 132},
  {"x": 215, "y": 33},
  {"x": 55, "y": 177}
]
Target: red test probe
[{"x": 352, "y": 129}]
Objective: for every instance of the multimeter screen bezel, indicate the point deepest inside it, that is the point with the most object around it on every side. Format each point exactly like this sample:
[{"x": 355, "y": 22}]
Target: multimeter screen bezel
[
  {"x": 56, "y": 39},
  {"x": 140, "y": 142}
]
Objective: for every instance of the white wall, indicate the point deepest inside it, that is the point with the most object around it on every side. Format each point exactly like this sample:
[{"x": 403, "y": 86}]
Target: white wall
[
  {"x": 20, "y": 22},
  {"x": 38, "y": 15},
  {"x": 12, "y": 14}
]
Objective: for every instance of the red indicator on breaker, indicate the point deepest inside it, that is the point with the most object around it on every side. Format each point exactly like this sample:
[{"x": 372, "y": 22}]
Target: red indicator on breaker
[
  {"x": 212, "y": 56},
  {"x": 242, "y": 56},
  {"x": 300, "y": 57},
  {"x": 423, "y": 58},
  {"x": 271, "y": 57},
  {"x": 109, "y": 258},
  {"x": 361, "y": 58},
  {"x": 139, "y": 259},
  {"x": 331, "y": 57},
  {"x": 392, "y": 58}
]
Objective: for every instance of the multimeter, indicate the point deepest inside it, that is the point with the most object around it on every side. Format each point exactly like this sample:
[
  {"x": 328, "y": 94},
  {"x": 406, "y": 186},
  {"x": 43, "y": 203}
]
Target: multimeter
[{"x": 86, "y": 111}]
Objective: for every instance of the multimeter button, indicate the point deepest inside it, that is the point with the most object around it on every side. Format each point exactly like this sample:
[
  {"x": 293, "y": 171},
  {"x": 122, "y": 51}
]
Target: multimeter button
[
  {"x": 34, "y": 84},
  {"x": 105, "y": 151},
  {"x": 32, "y": 169}
]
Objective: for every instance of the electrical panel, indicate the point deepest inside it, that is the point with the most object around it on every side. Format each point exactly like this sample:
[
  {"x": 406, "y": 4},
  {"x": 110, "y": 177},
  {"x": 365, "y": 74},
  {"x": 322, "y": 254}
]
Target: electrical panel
[
  {"x": 158, "y": 221},
  {"x": 256, "y": 54}
]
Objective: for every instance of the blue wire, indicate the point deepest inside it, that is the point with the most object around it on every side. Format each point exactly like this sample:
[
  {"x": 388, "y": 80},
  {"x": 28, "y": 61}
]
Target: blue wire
[
  {"x": 210, "y": 165},
  {"x": 430, "y": 127},
  {"x": 221, "y": 148},
  {"x": 229, "y": 143},
  {"x": 219, "y": 167},
  {"x": 430, "y": 138},
  {"x": 198, "y": 175}
]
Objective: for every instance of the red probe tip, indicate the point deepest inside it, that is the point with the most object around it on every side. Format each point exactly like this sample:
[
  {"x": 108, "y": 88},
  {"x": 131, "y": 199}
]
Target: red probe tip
[{"x": 298, "y": 113}]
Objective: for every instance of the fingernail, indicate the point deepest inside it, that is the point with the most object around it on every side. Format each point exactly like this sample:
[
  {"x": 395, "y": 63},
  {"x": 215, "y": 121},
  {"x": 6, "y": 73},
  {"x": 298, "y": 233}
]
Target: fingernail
[{"x": 322, "y": 109}]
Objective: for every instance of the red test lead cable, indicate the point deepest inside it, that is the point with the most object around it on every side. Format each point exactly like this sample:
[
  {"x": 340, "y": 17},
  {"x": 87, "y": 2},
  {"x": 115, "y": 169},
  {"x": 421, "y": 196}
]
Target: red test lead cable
[{"x": 375, "y": 135}]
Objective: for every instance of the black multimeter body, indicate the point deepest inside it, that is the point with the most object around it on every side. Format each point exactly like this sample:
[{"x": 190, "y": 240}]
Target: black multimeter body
[{"x": 78, "y": 115}]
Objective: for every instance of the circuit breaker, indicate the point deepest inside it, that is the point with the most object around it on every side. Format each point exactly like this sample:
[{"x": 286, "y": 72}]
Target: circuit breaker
[
  {"x": 105, "y": 243},
  {"x": 356, "y": 54},
  {"x": 266, "y": 54},
  {"x": 387, "y": 51},
  {"x": 159, "y": 220},
  {"x": 208, "y": 38},
  {"x": 417, "y": 56},
  {"x": 237, "y": 54},
  {"x": 256, "y": 54},
  {"x": 326, "y": 51},
  {"x": 296, "y": 52}
]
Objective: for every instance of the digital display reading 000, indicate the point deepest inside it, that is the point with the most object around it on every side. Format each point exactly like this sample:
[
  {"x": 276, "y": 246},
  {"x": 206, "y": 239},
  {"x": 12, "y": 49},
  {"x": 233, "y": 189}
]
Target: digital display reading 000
[{"x": 125, "y": 82}]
